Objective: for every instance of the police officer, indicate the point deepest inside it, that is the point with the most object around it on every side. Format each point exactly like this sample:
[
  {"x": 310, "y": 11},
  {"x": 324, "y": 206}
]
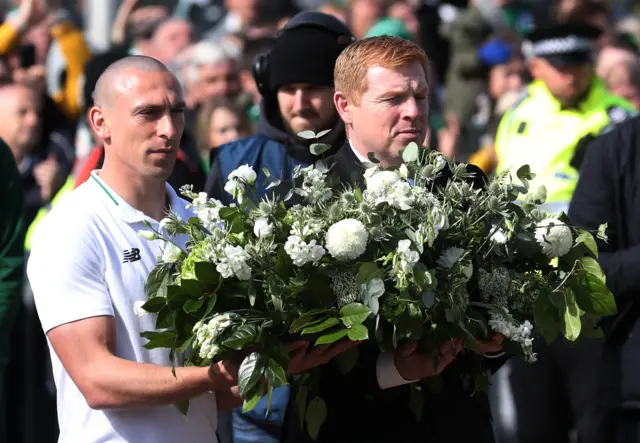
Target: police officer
[
  {"x": 565, "y": 107},
  {"x": 563, "y": 110}
]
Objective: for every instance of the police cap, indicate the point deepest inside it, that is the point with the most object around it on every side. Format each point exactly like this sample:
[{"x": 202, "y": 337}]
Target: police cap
[{"x": 562, "y": 44}]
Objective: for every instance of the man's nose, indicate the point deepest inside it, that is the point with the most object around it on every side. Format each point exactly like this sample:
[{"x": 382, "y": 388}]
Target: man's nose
[
  {"x": 166, "y": 126},
  {"x": 411, "y": 108}
]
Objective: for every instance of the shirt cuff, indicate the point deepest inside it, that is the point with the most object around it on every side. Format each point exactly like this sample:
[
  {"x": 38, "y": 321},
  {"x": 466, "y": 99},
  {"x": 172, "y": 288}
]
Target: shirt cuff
[{"x": 387, "y": 374}]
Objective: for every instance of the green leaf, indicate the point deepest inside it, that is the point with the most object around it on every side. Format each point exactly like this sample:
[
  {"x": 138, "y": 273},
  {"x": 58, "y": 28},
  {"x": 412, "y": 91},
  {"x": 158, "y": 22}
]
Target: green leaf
[
  {"x": 368, "y": 271},
  {"x": 590, "y": 328},
  {"x": 155, "y": 304},
  {"x": 319, "y": 148},
  {"x": 228, "y": 213},
  {"x": 252, "y": 398},
  {"x": 237, "y": 226},
  {"x": 206, "y": 273},
  {"x": 191, "y": 287},
  {"x": 547, "y": 318},
  {"x": 165, "y": 318},
  {"x": 211, "y": 304},
  {"x": 182, "y": 406},
  {"x": 358, "y": 333},
  {"x": 323, "y": 326},
  {"x": 602, "y": 232},
  {"x": 284, "y": 264},
  {"x": 593, "y": 295},
  {"x": 308, "y": 135},
  {"x": 572, "y": 323},
  {"x": 165, "y": 339},
  {"x": 185, "y": 344},
  {"x": 591, "y": 265},
  {"x": 411, "y": 153},
  {"x": 353, "y": 313},
  {"x": 304, "y": 321},
  {"x": 315, "y": 416},
  {"x": 422, "y": 277},
  {"x": 301, "y": 402},
  {"x": 587, "y": 239},
  {"x": 249, "y": 373},
  {"x": 266, "y": 172},
  {"x": 346, "y": 361},
  {"x": 331, "y": 337},
  {"x": 275, "y": 374},
  {"x": 540, "y": 196},
  {"x": 192, "y": 305},
  {"x": 241, "y": 337},
  {"x": 158, "y": 280}
]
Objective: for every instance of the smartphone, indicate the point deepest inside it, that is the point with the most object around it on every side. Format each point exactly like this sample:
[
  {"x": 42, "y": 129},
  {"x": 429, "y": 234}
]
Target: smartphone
[{"x": 27, "y": 55}]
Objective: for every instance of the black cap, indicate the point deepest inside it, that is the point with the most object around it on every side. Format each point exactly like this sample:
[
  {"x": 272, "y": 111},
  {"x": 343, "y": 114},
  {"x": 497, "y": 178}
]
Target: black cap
[
  {"x": 562, "y": 44},
  {"x": 306, "y": 50}
]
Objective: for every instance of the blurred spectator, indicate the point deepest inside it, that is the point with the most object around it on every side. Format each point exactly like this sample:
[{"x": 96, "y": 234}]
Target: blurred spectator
[
  {"x": 11, "y": 263},
  {"x": 362, "y": 14},
  {"x": 241, "y": 14},
  {"x": 390, "y": 26},
  {"x": 60, "y": 49},
  {"x": 44, "y": 163},
  {"x": 623, "y": 79},
  {"x": 406, "y": 12},
  {"x": 598, "y": 14},
  {"x": 133, "y": 27},
  {"x": 619, "y": 48},
  {"x": 220, "y": 121},
  {"x": 630, "y": 25},
  {"x": 170, "y": 38},
  {"x": 252, "y": 48},
  {"x": 335, "y": 8},
  {"x": 208, "y": 70}
]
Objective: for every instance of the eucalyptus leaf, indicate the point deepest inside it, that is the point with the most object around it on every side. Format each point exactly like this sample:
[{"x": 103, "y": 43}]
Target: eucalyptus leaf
[
  {"x": 319, "y": 148},
  {"x": 411, "y": 153},
  {"x": 323, "y": 133},
  {"x": 308, "y": 135}
]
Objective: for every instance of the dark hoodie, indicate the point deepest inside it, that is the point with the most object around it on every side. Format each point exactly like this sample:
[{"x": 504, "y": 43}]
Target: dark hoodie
[{"x": 271, "y": 148}]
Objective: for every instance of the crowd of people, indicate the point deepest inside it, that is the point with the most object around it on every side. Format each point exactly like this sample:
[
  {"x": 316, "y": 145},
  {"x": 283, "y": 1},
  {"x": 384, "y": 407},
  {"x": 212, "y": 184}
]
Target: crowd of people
[{"x": 553, "y": 84}]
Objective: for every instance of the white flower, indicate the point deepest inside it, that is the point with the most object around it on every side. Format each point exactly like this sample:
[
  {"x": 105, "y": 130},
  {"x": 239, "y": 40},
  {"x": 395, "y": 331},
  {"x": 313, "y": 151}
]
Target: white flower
[
  {"x": 440, "y": 221},
  {"x": 171, "y": 253},
  {"x": 400, "y": 196},
  {"x": 314, "y": 187},
  {"x": 440, "y": 162},
  {"x": 403, "y": 172},
  {"x": 468, "y": 271},
  {"x": 209, "y": 350},
  {"x": 499, "y": 236},
  {"x": 262, "y": 228},
  {"x": 407, "y": 258},
  {"x": 554, "y": 237},
  {"x": 218, "y": 324},
  {"x": 371, "y": 292},
  {"x": 245, "y": 173},
  {"x": 347, "y": 239},
  {"x": 236, "y": 189},
  {"x": 302, "y": 252},
  {"x": 137, "y": 309},
  {"x": 200, "y": 201},
  {"x": 210, "y": 216},
  {"x": 450, "y": 257},
  {"x": 380, "y": 182},
  {"x": 147, "y": 234},
  {"x": 233, "y": 263}
]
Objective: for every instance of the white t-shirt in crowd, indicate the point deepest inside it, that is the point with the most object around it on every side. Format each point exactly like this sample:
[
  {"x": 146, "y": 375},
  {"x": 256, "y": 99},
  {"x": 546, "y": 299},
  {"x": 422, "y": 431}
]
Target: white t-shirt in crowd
[{"x": 88, "y": 260}]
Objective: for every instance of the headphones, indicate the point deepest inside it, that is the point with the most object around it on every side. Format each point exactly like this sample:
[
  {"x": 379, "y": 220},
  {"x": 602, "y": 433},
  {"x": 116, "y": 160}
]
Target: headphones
[{"x": 309, "y": 19}]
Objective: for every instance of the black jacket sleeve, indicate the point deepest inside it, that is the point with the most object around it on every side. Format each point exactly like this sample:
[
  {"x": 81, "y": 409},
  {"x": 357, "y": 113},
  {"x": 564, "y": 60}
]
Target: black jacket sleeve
[{"x": 214, "y": 187}]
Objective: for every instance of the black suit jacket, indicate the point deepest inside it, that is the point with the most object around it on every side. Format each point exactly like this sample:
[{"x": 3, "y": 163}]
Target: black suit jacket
[{"x": 359, "y": 411}]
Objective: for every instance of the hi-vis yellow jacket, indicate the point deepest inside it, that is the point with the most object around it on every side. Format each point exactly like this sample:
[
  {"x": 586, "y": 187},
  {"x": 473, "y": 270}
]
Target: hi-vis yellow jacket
[{"x": 552, "y": 140}]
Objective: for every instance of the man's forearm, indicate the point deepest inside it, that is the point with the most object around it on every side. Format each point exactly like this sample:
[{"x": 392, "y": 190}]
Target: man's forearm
[{"x": 117, "y": 383}]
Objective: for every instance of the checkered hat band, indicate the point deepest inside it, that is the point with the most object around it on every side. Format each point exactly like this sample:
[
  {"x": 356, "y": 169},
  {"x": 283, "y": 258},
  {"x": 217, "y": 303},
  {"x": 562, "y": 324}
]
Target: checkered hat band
[{"x": 564, "y": 45}]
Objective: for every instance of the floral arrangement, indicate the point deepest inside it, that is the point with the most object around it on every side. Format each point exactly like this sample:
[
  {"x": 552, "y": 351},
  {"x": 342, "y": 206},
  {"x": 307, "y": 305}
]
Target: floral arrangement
[{"x": 396, "y": 258}]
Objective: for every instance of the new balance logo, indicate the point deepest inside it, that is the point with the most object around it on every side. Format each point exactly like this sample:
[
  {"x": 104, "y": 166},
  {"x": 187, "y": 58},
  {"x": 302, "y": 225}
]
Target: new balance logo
[{"x": 131, "y": 255}]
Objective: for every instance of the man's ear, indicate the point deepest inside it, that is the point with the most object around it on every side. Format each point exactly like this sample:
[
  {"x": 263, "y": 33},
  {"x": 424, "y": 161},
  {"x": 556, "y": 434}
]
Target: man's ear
[
  {"x": 344, "y": 107},
  {"x": 99, "y": 123}
]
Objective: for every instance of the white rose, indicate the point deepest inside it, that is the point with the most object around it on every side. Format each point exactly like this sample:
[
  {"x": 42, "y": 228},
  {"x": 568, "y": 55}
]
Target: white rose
[
  {"x": 347, "y": 239},
  {"x": 171, "y": 253},
  {"x": 245, "y": 173},
  {"x": 554, "y": 237},
  {"x": 379, "y": 183},
  {"x": 147, "y": 234},
  {"x": 262, "y": 228}
]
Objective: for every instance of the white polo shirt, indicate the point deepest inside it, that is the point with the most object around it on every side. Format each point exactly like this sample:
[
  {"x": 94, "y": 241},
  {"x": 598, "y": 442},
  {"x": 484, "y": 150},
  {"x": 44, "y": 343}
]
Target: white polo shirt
[{"x": 87, "y": 260}]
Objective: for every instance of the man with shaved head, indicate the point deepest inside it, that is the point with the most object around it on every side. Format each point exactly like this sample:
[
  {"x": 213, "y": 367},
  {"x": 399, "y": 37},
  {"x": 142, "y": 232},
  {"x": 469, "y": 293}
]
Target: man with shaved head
[{"x": 88, "y": 269}]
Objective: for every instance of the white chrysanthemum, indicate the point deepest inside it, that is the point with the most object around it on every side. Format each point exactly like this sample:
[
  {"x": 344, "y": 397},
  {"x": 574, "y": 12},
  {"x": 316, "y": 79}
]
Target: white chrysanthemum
[
  {"x": 554, "y": 237},
  {"x": 244, "y": 173},
  {"x": 379, "y": 183},
  {"x": 450, "y": 257},
  {"x": 302, "y": 252},
  {"x": 347, "y": 239},
  {"x": 262, "y": 228}
]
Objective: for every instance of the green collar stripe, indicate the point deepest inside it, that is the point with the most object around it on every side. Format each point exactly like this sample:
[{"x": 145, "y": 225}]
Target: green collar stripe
[{"x": 105, "y": 189}]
